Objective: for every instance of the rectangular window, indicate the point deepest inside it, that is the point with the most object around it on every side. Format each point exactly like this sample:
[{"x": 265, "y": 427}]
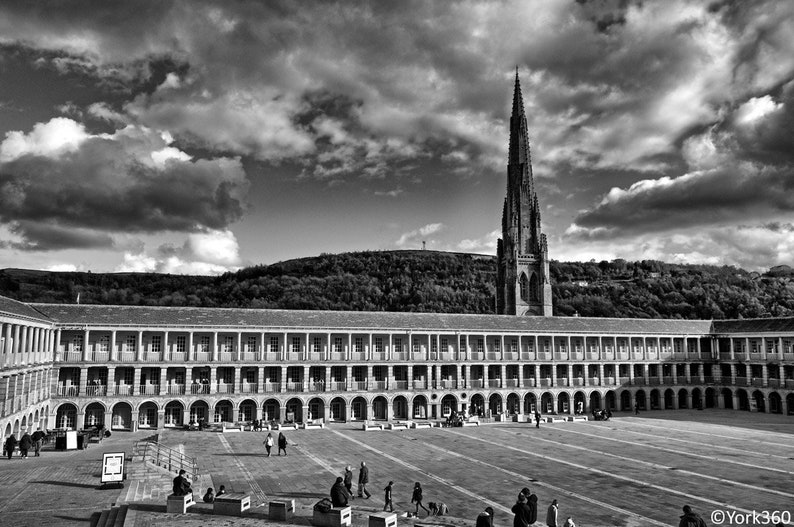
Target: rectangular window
[
  {"x": 678, "y": 346},
  {"x": 129, "y": 376},
  {"x": 416, "y": 346},
  {"x": 228, "y": 344},
  {"x": 480, "y": 345},
  {"x": 444, "y": 345},
  {"x": 250, "y": 376},
  {"x": 157, "y": 343},
  {"x": 273, "y": 344},
  {"x": 378, "y": 345},
  {"x": 181, "y": 344},
  {"x": 104, "y": 344},
  {"x": 204, "y": 344},
  {"x": 251, "y": 344},
  {"x": 337, "y": 345},
  {"x": 317, "y": 344},
  {"x": 497, "y": 345},
  {"x": 433, "y": 345},
  {"x": 358, "y": 345},
  {"x": 514, "y": 345},
  {"x": 77, "y": 343},
  {"x": 398, "y": 344},
  {"x": 296, "y": 345},
  {"x": 786, "y": 346}
]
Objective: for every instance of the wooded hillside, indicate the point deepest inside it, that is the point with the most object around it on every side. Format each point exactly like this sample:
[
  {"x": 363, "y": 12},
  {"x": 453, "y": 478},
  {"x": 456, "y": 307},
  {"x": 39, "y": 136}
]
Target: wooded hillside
[{"x": 432, "y": 282}]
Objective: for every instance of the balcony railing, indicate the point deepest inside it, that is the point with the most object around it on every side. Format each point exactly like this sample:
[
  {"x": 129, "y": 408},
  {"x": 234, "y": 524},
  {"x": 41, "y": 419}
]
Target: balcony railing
[
  {"x": 379, "y": 385},
  {"x": 127, "y": 356},
  {"x": 294, "y": 386},
  {"x": 68, "y": 391},
  {"x": 175, "y": 389},
  {"x": 224, "y": 387},
  {"x": 595, "y": 381},
  {"x": 96, "y": 390},
  {"x": 123, "y": 389},
  {"x": 545, "y": 383},
  {"x": 178, "y": 356},
  {"x": 399, "y": 355},
  {"x": 338, "y": 386},
  {"x": 476, "y": 383},
  {"x": 358, "y": 385},
  {"x": 199, "y": 388},
  {"x": 249, "y": 387},
  {"x": 272, "y": 387},
  {"x": 400, "y": 385},
  {"x": 149, "y": 389},
  {"x": 317, "y": 386},
  {"x": 529, "y": 383},
  {"x": 420, "y": 384},
  {"x": 494, "y": 383}
]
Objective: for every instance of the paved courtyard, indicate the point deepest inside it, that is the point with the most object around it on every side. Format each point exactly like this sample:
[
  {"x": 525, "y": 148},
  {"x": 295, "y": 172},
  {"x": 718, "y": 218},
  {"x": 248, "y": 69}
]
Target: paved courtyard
[{"x": 630, "y": 471}]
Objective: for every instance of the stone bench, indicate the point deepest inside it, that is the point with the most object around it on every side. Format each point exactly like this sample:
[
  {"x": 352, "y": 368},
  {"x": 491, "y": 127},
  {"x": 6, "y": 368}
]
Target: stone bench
[
  {"x": 285, "y": 426},
  {"x": 371, "y": 426},
  {"x": 281, "y": 510},
  {"x": 422, "y": 424},
  {"x": 336, "y": 517},
  {"x": 231, "y": 504},
  {"x": 227, "y": 429},
  {"x": 179, "y": 504},
  {"x": 471, "y": 423},
  {"x": 383, "y": 519},
  {"x": 577, "y": 418},
  {"x": 552, "y": 419},
  {"x": 398, "y": 426},
  {"x": 313, "y": 426}
]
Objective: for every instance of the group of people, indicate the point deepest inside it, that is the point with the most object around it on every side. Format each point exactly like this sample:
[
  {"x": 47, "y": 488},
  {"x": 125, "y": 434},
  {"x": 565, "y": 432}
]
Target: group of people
[
  {"x": 25, "y": 443},
  {"x": 342, "y": 489},
  {"x": 282, "y": 443},
  {"x": 210, "y": 495},
  {"x": 602, "y": 415}
]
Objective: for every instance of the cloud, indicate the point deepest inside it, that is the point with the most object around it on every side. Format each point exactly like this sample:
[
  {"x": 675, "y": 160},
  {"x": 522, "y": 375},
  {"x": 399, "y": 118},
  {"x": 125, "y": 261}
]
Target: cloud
[
  {"x": 415, "y": 237},
  {"x": 204, "y": 253},
  {"x": 483, "y": 245},
  {"x": 78, "y": 189}
]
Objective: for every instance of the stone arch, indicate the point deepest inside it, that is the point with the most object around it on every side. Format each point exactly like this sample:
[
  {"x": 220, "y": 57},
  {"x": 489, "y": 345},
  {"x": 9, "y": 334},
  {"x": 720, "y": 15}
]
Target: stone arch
[
  {"x": 530, "y": 403},
  {"x": 595, "y": 400},
  {"x": 743, "y": 399},
  {"x": 16, "y": 428},
  {"x": 477, "y": 406},
  {"x": 246, "y": 411},
  {"x": 316, "y": 410},
  {"x": 640, "y": 400},
  {"x": 547, "y": 403},
  {"x": 400, "y": 407},
  {"x": 790, "y": 404},
  {"x": 65, "y": 417},
  {"x": 775, "y": 403},
  {"x": 534, "y": 288},
  {"x": 710, "y": 398},
  {"x": 121, "y": 418},
  {"x": 24, "y": 427},
  {"x": 760, "y": 400},
  {"x": 380, "y": 408},
  {"x": 94, "y": 415},
  {"x": 625, "y": 401},
  {"x": 338, "y": 408},
  {"x": 199, "y": 410},
  {"x": 8, "y": 430},
  {"x": 419, "y": 407},
  {"x": 610, "y": 400},
  {"x": 358, "y": 409},
  {"x": 271, "y": 410},
  {"x": 697, "y": 398},
  {"x": 449, "y": 404},
  {"x": 513, "y": 405},
  {"x": 579, "y": 400},
  {"x": 223, "y": 411},
  {"x": 727, "y": 398},
  {"x": 523, "y": 286},
  {"x": 655, "y": 399},
  {"x": 669, "y": 399},
  {"x": 294, "y": 410},
  {"x": 147, "y": 415},
  {"x": 495, "y": 404},
  {"x": 563, "y": 403},
  {"x": 174, "y": 414}
]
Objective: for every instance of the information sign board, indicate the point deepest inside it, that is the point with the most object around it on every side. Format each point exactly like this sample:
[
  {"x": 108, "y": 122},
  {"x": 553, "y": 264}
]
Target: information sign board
[{"x": 112, "y": 467}]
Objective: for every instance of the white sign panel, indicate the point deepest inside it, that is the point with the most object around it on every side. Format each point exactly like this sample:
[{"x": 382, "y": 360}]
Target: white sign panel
[{"x": 112, "y": 467}]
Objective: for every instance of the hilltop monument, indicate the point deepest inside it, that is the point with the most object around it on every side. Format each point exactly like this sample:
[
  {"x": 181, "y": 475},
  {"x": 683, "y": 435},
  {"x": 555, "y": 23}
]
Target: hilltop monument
[{"x": 522, "y": 278}]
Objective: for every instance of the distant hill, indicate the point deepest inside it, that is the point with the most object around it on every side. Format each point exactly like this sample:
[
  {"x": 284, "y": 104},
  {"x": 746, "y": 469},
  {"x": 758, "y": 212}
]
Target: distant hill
[{"x": 429, "y": 281}]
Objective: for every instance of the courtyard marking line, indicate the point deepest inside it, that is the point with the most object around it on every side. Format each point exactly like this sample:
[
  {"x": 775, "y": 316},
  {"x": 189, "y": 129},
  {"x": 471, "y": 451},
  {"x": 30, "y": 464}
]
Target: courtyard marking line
[
  {"x": 787, "y": 445},
  {"x": 722, "y": 447},
  {"x": 683, "y": 452},
  {"x": 258, "y": 492},
  {"x": 521, "y": 477},
  {"x": 658, "y": 466},
  {"x": 608, "y": 474}
]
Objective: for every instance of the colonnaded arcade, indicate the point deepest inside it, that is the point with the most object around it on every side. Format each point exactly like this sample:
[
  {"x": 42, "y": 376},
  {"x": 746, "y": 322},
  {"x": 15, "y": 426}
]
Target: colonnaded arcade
[{"x": 130, "y": 367}]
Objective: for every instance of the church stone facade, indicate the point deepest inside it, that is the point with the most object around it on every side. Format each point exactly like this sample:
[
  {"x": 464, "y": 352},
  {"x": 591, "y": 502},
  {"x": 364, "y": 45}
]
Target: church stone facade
[{"x": 522, "y": 282}]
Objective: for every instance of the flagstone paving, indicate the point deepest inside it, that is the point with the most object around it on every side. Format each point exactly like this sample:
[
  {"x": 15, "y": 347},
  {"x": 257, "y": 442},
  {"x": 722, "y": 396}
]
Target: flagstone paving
[{"x": 630, "y": 471}]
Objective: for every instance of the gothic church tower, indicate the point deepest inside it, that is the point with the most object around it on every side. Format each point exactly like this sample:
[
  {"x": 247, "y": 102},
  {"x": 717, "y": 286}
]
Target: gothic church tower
[{"x": 522, "y": 278}]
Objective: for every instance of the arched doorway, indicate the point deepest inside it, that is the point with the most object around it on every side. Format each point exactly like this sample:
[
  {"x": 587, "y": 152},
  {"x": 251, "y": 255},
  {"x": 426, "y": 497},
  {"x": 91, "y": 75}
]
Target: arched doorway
[
  {"x": 65, "y": 417},
  {"x": 563, "y": 403},
  {"x": 513, "y": 404},
  {"x": 147, "y": 415},
  {"x": 224, "y": 412},
  {"x": 400, "y": 407},
  {"x": 495, "y": 404},
  {"x": 380, "y": 408},
  {"x": 655, "y": 400},
  {"x": 316, "y": 410},
  {"x": 94, "y": 416},
  {"x": 419, "y": 407},
  {"x": 24, "y": 424},
  {"x": 743, "y": 399},
  {"x": 790, "y": 404},
  {"x": 775, "y": 403},
  {"x": 246, "y": 412},
  {"x": 358, "y": 409},
  {"x": 639, "y": 400},
  {"x": 8, "y": 430},
  {"x": 271, "y": 410},
  {"x": 546, "y": 403},
  {"x": 122, "y": 417},
  {"x": 338, "y": 408},
  {"x": 530, "y": 404},
  {"x": 578, "y": 403},
  {"x": 697, "y": 399},
  {"x": 610, "y": 401},
  {"x": 760, "y": 401},
  {"x": 683, "y": 397},
  {"x": 727, "y": 398},
  {"x": 199, "y": 411},
  {"x": 174, "y": 414},
  {"x": 669, "y": 399},
  {"x": 710, "y": 398},
  {"x": 625, "y": 400},
  {"x": 595, "y": 401},
  {"x": 477, "y": 405},
  {"x": 449, "y": 404},
  {"x": 294, "y": 409}
]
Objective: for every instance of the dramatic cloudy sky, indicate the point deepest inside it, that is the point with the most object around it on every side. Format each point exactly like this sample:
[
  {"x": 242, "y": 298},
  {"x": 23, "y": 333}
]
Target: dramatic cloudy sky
[{"x": 197, "y": 137}]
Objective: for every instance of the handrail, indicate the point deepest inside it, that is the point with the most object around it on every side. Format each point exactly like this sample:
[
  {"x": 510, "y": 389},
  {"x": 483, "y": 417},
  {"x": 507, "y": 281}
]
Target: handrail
[{"x": 166, "y": 457}]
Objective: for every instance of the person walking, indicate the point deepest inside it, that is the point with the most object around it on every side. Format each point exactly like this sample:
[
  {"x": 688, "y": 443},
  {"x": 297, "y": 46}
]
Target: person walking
[
  {"x": 551, "y": 514},
  {"x": 268, "y": 442},
  {"x": 690, "y": 519},
  {"x": 282, "y": 443},
  {"x": 349, "y": 480},
  {"x": 537, "y": 419},
  {"x": 416, "y": 497},
  {"x": 485, "y": 518},
  {"x": 522, "y": 512},
  {"x": 38, "y": 441},
  {"x": 532, "y": 503},
  {"x": 636, "y": 408},
  {"x": 363, "y": 479},
  {"x": 25, "y": 444},
  {"x": 387, "y": 501},
  {"x": 11, "y": 444}
]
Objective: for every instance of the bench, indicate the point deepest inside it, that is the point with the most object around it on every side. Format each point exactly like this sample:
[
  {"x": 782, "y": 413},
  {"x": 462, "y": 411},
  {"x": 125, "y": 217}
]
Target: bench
[
  {"x": 313, "y": 426},
  {"x": 422, "y": 424},
  {"x": 471, "y": 422},
  {"x": 336, "y": 517},
  {"x": 371, "y": 426},
  {"x": 383, "y": 519},
  {"x": 179, "y": 504},
  {"x": 231, "y": 504},
  {"x": 577, "y": 418},
  {"x": 552, "y": 419},
  {"x": 281, "y": 510},
  {"x": 227, "y": 429},
  {"x": 285, "y": 426},
  {"x": 398, "y": 426}
]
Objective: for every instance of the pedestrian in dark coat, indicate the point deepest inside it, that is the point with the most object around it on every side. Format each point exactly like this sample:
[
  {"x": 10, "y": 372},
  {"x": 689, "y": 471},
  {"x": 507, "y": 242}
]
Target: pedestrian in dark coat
[
  {"x": 690, "y": 519},
  {"x": 11, "y": 444},
  {"x": 181, "y": 485},
  {"x": 339, "y": 493},
  {"x": 349, "y": 480},
  {"x": 485, "y": 518},
  {"x": 416, "y": 497},
  {"x": 532, "y": 503},
  {"x": 363, "y": 479},
  {"x": 522, "y": 512},
  {"x": 387, "y": 498},
  {"x": 25, "y": 444},
  {"x": 38, "y": 441},
  {"x": 537, "y": 419},
  {"x": 551, "y": 514},
  {"x": 282, "y": 443}
]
